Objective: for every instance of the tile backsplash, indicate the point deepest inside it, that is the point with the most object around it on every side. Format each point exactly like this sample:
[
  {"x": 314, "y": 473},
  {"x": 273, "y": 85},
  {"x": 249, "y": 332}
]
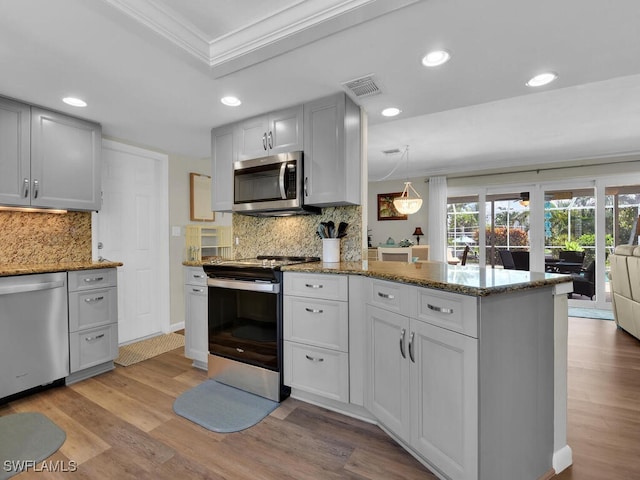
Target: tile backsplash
[
  {"x": 296, "y": 235},
  {"x": 29, "y": 237}
]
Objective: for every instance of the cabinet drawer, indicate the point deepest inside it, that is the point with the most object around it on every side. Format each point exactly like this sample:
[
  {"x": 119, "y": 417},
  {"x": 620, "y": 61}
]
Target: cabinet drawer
[
  {"x": 458, "y": 313},
  {"x": 195, "y": 276},
  {"x": 323, "y": 323},
  {"x": 93, "y": 347},
  {"x": 88, "y": 279},
  {"x": 326, "y": 286},
  {"x": 92, "y": 308},
  {"x": 317, "y": 370},
  {"x": 390, "y": 296}
]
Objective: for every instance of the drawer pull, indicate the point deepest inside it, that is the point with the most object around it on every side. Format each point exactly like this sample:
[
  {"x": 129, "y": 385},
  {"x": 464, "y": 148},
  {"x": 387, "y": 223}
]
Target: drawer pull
[
  {"x": 96, "y": 337},
  {"x": 94, "y": 299},
  {"x": 402, "y": 334},
  {"x": 313, "y": 310},
  {"x": 411, "y": 347},
  {"x": 198, "y": 290},
  {"x": 439, "y": 309},
  {"x": 386, "y": 295},
  {"x": 311, "y": 285},
  {"x": 198, "y": 276},
  {"x": 94, "y": 279},
  {"x": 315, "y": 359}
]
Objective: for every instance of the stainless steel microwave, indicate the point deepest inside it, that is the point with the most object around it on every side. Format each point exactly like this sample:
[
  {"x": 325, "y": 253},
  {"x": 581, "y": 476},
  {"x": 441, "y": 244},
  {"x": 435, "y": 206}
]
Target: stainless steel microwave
[{"x": 270, "y": 186}]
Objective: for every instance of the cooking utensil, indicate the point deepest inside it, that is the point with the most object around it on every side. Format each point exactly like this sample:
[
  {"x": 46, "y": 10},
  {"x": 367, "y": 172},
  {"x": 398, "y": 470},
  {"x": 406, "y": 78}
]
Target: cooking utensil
[
  {"x": 332, "y": 228},
  {"x": 342, "y": 229}
]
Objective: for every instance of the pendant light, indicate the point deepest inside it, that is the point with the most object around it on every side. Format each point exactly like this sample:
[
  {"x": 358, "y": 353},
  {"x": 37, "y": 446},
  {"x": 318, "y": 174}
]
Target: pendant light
[{"x": 405, "y": 204}]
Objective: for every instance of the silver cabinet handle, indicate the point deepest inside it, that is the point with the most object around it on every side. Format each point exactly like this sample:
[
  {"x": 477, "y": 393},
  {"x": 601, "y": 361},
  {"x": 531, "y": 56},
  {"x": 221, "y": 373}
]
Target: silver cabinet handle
[
  {"x": 314, "y": 310},
  {"x": 439, "y": 309},
  {"x": 411, "y": 347},
  {"x": 198, "y": 290},
  {"x": 306, "y": 183},
  {"x": 96, "y": 337},
  {"x": 270, "y": 137},
  {"x": 198, "y": 276},
  {"x": 264, "y": 140},
  {"x": 386, "y": 295},
  {"x": 35, "y": 188},
  {"x": 402, "y": 334},
  {"x": 93, "y": 300},
  {"x": 310, "y": 285},
  {"x": 315, "y": 359},
  {"x": 93, "y": 279},
  {"x": 25, "y": 193}
]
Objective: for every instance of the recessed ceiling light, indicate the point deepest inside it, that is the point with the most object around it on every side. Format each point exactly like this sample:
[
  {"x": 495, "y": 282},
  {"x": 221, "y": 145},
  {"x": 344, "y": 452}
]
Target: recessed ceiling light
[
  {"x": 391, "y": 112},
  {"x": 542, "y": 79},
  {"x": 435, "y": 58},
  {"x": 231, "y": 101},
  {"x": 74, "y": 102}
]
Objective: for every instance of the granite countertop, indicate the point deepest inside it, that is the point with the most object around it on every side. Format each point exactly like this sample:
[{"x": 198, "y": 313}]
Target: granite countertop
[
  {"x": 467, "y": 280},
  {"x": 25, "y": 269}
]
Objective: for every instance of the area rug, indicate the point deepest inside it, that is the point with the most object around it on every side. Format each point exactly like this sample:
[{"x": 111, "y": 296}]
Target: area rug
[
  {"x": 591, "y": 313},
  {"x": 149, "y": 348},
  {"x": 25, "y": 440},
  {"x": 221, "y": 408}
]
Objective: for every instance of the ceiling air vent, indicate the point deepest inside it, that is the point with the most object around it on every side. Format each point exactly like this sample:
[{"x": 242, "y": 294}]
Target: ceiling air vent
[{"x": 363, "y": 86}]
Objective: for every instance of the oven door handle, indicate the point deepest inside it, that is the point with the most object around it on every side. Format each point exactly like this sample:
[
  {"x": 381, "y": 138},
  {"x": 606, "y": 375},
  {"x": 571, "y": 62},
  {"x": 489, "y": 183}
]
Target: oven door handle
[{"x": 243, "y": 285}]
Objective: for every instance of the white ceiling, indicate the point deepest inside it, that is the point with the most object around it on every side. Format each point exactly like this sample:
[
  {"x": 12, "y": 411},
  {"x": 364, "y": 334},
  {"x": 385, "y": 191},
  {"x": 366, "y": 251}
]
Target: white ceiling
[{"x": 153, "y": 72}]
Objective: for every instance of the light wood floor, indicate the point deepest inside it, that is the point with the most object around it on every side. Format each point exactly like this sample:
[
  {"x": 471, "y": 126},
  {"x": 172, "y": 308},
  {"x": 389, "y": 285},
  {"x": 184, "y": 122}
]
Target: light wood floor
[{"x": 121, "y": 425}]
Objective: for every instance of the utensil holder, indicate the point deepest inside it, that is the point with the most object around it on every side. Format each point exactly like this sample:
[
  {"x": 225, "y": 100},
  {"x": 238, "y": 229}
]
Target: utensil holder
[{"x": 331, "y": 250}]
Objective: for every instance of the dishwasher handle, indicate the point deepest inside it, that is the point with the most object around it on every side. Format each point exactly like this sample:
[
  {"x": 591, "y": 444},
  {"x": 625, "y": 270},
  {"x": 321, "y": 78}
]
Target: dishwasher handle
[{"x": 30, "y": 287}]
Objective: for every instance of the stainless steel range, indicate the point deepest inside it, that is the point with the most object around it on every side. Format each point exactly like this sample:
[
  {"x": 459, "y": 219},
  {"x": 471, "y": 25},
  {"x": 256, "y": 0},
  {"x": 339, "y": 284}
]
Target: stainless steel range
[{"x": 245, "y": 323}]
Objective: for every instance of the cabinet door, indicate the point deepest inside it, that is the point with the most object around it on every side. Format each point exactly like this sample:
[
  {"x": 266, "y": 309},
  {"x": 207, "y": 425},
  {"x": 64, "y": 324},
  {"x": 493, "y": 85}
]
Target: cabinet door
[
  {"x": 65, "y": 161},
  {"x": 332, "y": 152},
  {"x": 388, "y": 391},
  {"x": 285, "y": 131},
  {"x": 251, "y": 138},
  {"x": 195, "y": 323},
  {"x": 14, "y": 153},
  {"x": 222, "y": 158},
  {"x": 444, "y": 399}
]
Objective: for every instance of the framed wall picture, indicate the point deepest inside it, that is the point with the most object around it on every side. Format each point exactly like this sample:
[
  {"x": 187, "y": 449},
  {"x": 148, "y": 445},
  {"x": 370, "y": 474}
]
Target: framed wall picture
[
  {"x": 386, "y": 209},
  {"x": 200, "y": 198}
]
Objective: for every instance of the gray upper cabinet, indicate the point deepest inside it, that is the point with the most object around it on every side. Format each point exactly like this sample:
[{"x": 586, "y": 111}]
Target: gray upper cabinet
[
  {"x": 48, "y": 159},
  {"x": 332, "y": 151},
  {"x": 65, "y": 161},
  {"x": 222, "y": 158},
  {"x": 15, "y": 156},
  {"x": 276, "y": 132}
]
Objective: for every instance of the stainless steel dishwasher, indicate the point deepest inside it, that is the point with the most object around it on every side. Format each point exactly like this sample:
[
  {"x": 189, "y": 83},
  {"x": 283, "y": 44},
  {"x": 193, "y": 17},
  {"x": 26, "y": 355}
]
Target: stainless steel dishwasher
[{"x": 34, "y": 331}]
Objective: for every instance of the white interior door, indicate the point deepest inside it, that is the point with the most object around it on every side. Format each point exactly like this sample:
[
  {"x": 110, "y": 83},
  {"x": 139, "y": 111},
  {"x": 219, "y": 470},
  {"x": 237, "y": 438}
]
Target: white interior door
[{"x": 132, "y": 228}]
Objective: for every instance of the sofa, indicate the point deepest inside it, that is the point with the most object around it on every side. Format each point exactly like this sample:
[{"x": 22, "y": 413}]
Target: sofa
[{"x": 625, "y": 287}]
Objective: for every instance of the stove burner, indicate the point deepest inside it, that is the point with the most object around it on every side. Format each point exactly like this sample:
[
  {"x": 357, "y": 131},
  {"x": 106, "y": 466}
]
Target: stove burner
[{"x": 265, "y": 261}]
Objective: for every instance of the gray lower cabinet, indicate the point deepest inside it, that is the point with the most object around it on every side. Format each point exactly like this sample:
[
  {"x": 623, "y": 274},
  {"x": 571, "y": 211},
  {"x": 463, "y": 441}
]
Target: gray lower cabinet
[
  {"x": 464, "y": 382},
  {"x": 316, "y": 334},
  {"x": 47, "y": 159},
  {"x": 423, "y": 388},
  {"x": 196, "y": 345},
  {"x": 93, "y": 322}
]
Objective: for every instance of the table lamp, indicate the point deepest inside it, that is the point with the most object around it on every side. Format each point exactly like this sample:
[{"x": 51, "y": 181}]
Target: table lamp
[{"x": 418, "y": 233}]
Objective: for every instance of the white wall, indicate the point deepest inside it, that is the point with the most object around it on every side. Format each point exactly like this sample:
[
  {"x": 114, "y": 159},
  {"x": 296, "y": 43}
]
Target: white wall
[
  {"x": 179, "y": 169},
  {"x": 396, "y": 229}
]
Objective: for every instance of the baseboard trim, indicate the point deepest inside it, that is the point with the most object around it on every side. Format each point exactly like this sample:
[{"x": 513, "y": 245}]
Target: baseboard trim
[{"x": 562, "y": 459}]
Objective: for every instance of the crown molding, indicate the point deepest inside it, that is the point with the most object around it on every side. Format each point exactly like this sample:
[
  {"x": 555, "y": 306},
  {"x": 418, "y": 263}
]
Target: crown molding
[{"x": 301, "y": 23}]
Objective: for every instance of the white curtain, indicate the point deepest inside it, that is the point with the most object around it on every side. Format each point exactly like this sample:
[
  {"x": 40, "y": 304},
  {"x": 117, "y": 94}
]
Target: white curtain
[{"x": 437, "y": 219}]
